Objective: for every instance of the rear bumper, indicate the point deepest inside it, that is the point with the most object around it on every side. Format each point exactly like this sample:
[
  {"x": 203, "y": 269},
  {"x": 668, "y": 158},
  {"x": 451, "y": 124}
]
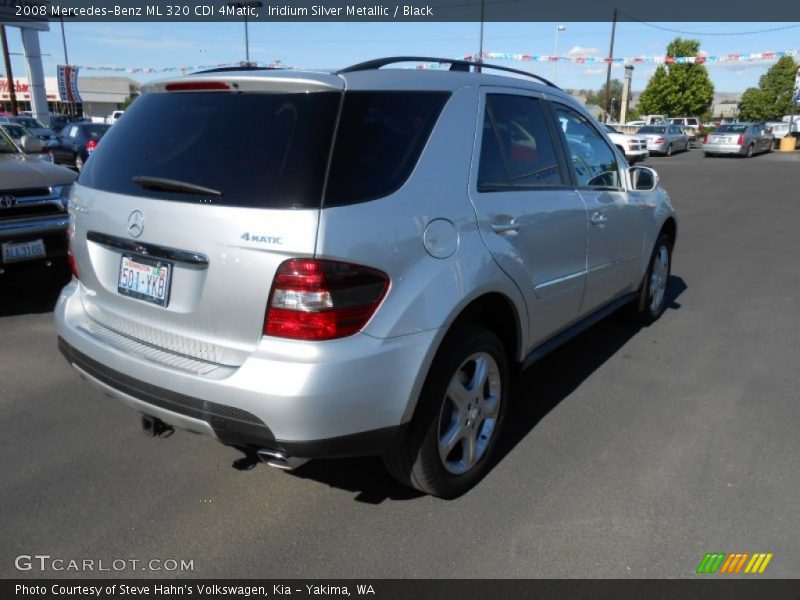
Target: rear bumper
[
  {"x": 346, "y": 397},
  {"x": 724, "y": 149},
  {"x": 636, "y": 155}
]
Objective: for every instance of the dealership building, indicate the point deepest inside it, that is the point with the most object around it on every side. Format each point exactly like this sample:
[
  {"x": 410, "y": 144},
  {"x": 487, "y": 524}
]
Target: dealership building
[{"x": 100, "y": 95}]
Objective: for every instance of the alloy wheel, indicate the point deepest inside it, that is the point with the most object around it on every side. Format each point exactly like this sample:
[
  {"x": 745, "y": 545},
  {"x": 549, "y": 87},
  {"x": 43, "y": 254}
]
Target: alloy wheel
[
  {"x": 658, "y": 278},
  {"x": 469, "y": 413}
]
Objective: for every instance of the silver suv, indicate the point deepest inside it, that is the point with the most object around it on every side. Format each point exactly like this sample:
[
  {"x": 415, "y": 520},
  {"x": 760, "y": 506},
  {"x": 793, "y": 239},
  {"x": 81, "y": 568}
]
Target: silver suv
[{"x": 322, "y": 264}]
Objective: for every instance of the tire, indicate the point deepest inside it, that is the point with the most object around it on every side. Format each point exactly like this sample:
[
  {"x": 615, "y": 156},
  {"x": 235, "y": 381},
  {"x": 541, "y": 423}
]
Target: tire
[
  {"x": 469, "y": 421},
  {"x": 651, "y": 300},
  {"x": 78, "y": 163},
  {"x": 669, "y": 150},
  {"x": 750, "y": 150}
]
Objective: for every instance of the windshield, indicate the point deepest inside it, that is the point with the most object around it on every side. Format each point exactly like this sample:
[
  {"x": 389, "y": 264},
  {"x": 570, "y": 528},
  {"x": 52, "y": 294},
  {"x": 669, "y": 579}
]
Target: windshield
[
  {"x": 6, "y": 145},
  {"x": 16, "y": 131},
  {"x": 652, "y": 129},
  {"x": 738, "y": 128}
]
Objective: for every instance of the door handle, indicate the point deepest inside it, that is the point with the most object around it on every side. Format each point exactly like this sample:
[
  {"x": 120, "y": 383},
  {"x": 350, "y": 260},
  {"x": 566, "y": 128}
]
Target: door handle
[
  {"x": 505, "y": 227},
  {"x": 599, "y": 219}
]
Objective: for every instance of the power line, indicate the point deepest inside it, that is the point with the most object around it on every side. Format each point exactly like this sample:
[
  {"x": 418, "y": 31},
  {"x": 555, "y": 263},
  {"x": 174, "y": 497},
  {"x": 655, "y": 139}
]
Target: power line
[{"x": 724, "y": 33}]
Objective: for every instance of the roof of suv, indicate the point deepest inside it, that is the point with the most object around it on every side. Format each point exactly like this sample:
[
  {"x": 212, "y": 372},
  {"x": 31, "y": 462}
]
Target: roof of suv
[{"x": 365, "y": 78}]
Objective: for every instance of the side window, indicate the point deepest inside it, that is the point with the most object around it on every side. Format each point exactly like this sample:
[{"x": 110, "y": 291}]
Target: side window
[
  {"x": 517, "y": 149},
  {"x": 594, "y": 162}
]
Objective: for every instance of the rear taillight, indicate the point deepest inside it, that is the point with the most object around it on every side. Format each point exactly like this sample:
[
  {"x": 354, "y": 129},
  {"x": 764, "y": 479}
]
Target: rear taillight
[
  {"x": 660, "y": 141},
  {"x": 322, "y": 299},
  {"x": 705, "y": 139},
  {"x": 91, "y": 145},
  {"x": 73, "y": 266},
  {"x": 740, "y": 141}
]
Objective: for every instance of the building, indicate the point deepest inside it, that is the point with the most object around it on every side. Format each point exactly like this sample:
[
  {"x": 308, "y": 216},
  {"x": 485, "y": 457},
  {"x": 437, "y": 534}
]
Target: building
[{"x": 100, "y": 95}]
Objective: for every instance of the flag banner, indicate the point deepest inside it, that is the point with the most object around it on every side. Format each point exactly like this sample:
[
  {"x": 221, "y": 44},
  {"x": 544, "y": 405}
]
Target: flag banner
[{"x": 68, "y": 84}]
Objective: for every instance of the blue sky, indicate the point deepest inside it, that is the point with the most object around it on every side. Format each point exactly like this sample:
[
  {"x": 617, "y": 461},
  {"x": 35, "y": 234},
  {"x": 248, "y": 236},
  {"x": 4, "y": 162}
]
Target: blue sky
[{"x": 338, "y": 44}]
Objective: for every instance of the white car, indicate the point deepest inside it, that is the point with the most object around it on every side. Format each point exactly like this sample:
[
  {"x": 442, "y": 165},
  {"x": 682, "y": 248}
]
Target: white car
[{"x": 634, "y": 148}]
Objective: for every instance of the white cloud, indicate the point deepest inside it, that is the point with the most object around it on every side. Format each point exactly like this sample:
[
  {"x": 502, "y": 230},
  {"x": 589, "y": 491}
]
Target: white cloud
[{"x": 581, "y": 51}]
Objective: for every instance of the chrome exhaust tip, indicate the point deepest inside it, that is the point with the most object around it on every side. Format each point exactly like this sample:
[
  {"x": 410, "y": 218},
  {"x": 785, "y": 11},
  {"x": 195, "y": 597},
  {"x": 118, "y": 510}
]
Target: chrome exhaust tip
[{"x": 279, "y": 460}]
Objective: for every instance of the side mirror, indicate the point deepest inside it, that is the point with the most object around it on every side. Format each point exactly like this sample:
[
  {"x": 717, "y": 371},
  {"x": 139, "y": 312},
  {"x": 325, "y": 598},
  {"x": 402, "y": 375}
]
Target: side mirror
[
  {"x": 643, "y": 179},
  {"x": 30, "y": 144}
]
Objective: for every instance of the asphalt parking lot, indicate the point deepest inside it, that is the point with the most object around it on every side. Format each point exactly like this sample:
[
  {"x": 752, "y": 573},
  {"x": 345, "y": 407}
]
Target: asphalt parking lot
[{"x": 628, "y": 452}]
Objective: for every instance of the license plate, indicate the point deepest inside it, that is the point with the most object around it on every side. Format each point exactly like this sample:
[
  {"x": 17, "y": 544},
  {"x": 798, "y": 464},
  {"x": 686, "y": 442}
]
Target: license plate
[
  {"x": 23, "y": 251},
  {"x": 145, "y": 279}
]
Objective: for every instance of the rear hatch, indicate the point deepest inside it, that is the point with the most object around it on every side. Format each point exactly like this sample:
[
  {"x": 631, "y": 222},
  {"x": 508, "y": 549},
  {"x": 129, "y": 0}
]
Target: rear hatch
[{"x": 185, "y": 211}]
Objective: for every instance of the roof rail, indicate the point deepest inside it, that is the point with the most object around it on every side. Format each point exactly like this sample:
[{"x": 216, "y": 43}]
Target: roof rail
[
  {"x": 456, "y": 64},
  {"x": 236, "y": 68}
]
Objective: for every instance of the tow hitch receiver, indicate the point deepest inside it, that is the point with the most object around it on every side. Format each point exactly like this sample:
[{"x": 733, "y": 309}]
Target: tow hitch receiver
[{"x": 154, "y": 427}]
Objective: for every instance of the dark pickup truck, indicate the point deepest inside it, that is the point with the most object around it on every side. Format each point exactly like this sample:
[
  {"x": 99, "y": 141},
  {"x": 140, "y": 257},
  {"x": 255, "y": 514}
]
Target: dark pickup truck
[{"x": 33, "y": 205}]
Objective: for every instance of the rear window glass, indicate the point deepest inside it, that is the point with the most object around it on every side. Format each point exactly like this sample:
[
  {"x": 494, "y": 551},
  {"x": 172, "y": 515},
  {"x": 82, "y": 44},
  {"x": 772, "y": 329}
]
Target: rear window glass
[
  {"x": 379, "y": 140},
  {"x": 95, "y": 131},
  {"x": 258, "y": 150},
  {"x": 652, "y": 130},
  {"x": 731, "y": 129}
]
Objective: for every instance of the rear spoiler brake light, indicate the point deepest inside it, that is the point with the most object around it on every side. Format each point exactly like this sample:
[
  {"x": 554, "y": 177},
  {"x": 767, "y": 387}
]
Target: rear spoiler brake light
[{"x": 197, "y": 86}]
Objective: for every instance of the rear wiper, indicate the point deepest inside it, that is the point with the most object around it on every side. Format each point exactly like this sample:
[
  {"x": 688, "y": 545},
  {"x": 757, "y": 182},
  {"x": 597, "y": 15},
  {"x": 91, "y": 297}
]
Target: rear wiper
[{"x": 173, "y": 185}]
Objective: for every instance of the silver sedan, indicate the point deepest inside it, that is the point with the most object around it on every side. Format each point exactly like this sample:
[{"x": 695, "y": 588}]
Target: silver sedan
[
  {"x": 664, "y": 139},
  {"x": 744, "y": 139}
]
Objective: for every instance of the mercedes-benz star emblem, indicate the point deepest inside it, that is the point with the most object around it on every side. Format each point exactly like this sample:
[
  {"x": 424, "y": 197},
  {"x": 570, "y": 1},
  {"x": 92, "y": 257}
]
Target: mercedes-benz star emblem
[
  {"x": 7, "y": 201},
  {"x": 136, "y": 223}
]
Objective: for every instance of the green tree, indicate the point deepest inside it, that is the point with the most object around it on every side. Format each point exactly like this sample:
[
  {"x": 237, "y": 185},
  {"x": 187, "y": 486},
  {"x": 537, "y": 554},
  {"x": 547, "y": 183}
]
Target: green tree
[
  {"x": 678, "y": 88},
  {"x": 772, "y": 99}
]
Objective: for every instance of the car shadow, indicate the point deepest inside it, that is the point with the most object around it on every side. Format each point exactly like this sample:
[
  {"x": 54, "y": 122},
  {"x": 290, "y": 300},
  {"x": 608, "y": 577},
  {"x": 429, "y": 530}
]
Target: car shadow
[
  {"x": 32, "y": 290},
  {"x": 554, "y": 377}
]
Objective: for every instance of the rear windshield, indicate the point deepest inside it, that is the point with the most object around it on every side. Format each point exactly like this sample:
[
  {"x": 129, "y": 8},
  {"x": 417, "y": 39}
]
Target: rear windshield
[
  {"x": 258, "y": 150},
  {"x": 96, "y": 131},
  {"x": 731, "y": 129},
  {"x": 266, "y": 150},
  {"x": 652, "y": 130}
]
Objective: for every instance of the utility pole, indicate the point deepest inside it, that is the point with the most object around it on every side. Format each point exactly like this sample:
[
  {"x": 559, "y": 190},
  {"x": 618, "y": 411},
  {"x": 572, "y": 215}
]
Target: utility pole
[
  {"x": 12, "y": 94},
  {"x": 610, "y": 56},
  {"x": 480, "y": 42},
  {"x": 559, "y": 29}
]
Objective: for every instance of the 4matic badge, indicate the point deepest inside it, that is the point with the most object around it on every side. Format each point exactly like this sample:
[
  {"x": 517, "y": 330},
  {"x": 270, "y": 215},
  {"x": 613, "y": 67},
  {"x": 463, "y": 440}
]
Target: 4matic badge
[{"x": 261, "y": 239}]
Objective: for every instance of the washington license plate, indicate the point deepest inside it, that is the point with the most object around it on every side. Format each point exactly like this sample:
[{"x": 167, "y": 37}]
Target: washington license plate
[
  {"x": 23, "y": 251},
  {"x": 145, "y": 279}
]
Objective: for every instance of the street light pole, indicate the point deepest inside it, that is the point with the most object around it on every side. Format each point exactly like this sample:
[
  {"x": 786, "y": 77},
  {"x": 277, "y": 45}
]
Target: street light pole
[
  {"x": 559, "y": 29},
  {"x": 480, "y": 41},
  {"x": 611, "y": 58}
]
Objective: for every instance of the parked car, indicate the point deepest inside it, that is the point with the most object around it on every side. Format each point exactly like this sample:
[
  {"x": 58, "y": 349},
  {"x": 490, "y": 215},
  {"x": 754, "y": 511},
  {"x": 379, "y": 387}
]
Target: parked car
[
  {"x": 744, "y": 139},
  {"x": 780, "y": 129},
  {"x": 689, "y": 125},
  {"x": 664, "y": 139},
  {"x": 363, "y": 270},
  {"x": 33, "y": 206},
  {"x": 633, "y": 147},
  {"x": 17, "y": 133},
  {"x": 635, "y": 123},
  {"x": 78, "y": 141},
  {"x": 46, "y": 135},
  {"x": 58, "y": 122},
  {"x": 114, "y": 116}
]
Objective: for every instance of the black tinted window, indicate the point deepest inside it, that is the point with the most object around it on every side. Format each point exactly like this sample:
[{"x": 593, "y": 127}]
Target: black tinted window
[
  {"x": 651, "y": 129},
  {"x": 517, "y": 149},
  {"x": 379, "y": 140},
  {"x": 259, "y": 150},
  {"x": 593, "y": 160}
]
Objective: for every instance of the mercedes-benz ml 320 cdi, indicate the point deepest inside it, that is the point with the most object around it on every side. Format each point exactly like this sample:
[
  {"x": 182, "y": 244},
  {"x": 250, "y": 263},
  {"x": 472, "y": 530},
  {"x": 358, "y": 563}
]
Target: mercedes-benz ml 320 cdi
[{"x": 321, "y": 264}]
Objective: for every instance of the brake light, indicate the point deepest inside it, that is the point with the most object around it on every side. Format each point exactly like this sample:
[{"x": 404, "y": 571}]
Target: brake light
[
  {"x": 197, "y": 86},
  {"x": 322, "y": 299},
  {"x": 73, "y": 266},
  {"x": 91, "y": 145},
  {"x": 740, "y": 141},
  {"x": 705, "y": 139}
]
